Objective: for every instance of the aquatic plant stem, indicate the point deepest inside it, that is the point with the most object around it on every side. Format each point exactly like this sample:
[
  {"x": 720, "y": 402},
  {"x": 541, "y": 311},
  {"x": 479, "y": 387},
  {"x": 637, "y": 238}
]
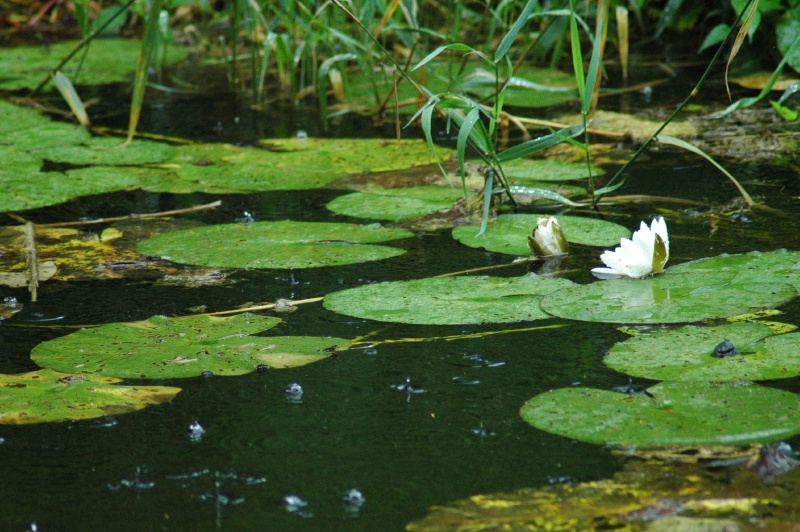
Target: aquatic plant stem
[{"x": 612, "y": 183}]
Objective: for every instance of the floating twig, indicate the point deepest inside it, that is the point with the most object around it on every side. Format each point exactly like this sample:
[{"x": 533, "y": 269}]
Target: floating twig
[{"x": 161, "y": 214}]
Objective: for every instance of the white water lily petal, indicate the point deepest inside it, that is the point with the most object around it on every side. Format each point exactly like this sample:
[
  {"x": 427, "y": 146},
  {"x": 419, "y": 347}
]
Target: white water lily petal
[{"x": 638, "y": 256}]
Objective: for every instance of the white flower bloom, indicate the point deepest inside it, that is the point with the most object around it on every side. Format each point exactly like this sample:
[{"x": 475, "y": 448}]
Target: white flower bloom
[
  {"x": 645, "y": 253},
  {"x": 548, "y": 239}
]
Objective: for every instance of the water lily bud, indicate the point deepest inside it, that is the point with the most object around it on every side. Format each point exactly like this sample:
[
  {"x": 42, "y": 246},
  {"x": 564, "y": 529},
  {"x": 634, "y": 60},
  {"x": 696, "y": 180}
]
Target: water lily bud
[{"x": 548, "y": 239}]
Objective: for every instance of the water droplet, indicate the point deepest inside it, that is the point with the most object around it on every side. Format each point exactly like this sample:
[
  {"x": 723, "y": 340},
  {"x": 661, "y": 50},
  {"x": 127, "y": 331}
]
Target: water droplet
[
  {"x": 294, "y": 393},
  {"x": 196, "y": 431},
  {"x": 353, "y": 500},
  {"x": 246, "y": 218},
  {"x": 408, "y": 387},
  {"x": 297, "y": 505},
  {"x": 482, "y": 432},
  {"x": 207, "y": 374},
  {"x": 629, "y": 389},
  {"x": 466, "y": 380}
]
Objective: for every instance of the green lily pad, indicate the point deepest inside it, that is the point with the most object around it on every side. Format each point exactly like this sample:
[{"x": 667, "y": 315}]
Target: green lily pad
[
  {"x": 291, "y": 164},
  {"x": 670, "y": 413},
  {"x": 164, "y": 348},
  {"x": 284, "y": 244},
  {"x": 26, "y": 187},
  {"x": 48, "y": 135},
  {"x": 666, "y": 298},
  {"x": 685, "y": 354},
  {"x": 107, "y": 151},
  {"x": 353, "y": 156},
  {"x": 18, "y": 118},
  {"x": 779, "y": 266},
  {"x": 448, "y": 300},
  {"x": 523, "y": 172},
  {"x": 47, "y": 396},
  {"x": 396, "y": 204},
  {"x": 509, "y": 233},
  {"x": 108, "y": 61}
]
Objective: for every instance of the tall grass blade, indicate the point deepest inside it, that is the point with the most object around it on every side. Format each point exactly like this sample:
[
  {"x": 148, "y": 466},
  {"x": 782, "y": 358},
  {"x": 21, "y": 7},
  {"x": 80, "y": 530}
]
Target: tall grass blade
[
  {"x": 577, "y": 56},
  {"x": 148, "y": 48},
  {"x": 595, "y": 69},
  {"x": 464, "y": 133},
  {"x": 537, "y": 144},
  {"x": 666, "y": 139},
  {"x": 623, "y": 38},
  {"x": 509, "y": 38},
  {"x": 737, "y": 43},
  {"x": 67, "y": 90},
  {"x": 747, "y": 102},
  {"x": 487, "y": 200}
]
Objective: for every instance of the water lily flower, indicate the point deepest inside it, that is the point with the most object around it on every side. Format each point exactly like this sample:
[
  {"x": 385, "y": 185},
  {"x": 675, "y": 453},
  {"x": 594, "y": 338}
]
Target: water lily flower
[
  {"x": 548, "y": 239},
  {"x": 645, "y": 253}
]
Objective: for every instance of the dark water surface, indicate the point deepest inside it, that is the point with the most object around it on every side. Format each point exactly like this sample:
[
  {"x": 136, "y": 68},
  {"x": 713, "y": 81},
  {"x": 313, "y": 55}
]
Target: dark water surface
[{"x": 404, "y": 452}]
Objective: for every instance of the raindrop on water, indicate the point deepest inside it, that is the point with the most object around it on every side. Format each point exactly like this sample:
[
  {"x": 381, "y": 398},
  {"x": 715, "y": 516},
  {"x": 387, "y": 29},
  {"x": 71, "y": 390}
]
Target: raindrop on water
[
  {"x": 301, "y": 134},
  {"x": 353, "y": 500},
  {"x": 482, "y": 432},
  {"x": 296, "y": 505},
  {"x": 294, "y": 393},
  {"x": 10, "y": 302},
  {"x": 466, "y": 380},
  {"x": 207, "y": 374},
  {"x": 196, "y": 431},
  {"x": 408, "y": 387}
]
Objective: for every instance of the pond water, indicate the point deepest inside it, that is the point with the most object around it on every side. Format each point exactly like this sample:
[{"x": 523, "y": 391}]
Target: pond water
[{"x": 353, "y": 428}]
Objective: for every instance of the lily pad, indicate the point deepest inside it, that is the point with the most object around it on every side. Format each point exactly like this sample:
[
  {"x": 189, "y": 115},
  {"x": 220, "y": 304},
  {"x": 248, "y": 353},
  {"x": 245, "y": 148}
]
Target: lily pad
[
  {"x": 524, "y": 172},
  {"x": 160, "y": 348},
  {"x": 509, "y": 233},
  {"x": 107, "y": 151},
  {"x": 670, "y": 413},
  {"x": 18, "y": 118},
  {"x": 685, "y": 354},
  {"x": 779, "y": 266},
  {"x": 291, "y": 164},
  {"x": 448, "y": 300},
  {"x": 666, "y": 298},
  {"x": 46, "y": 135},
  {"x": 47, "y": 396},
  {"x": 284, "y": 244},
  {"x": 108, "y": 61},
  {"x": 396, "y": 204},
  {"x": 26, "y": 187}
]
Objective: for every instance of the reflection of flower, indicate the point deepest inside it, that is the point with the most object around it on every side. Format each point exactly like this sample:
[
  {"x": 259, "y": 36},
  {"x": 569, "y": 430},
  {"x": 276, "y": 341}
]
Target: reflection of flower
[
  {"x": 645, "y": 253},
  {"x": 548, "y": 239}
]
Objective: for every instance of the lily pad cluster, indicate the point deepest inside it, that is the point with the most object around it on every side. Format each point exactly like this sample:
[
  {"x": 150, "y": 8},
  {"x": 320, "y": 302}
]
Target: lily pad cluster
[
  {"x": 96, "y": 165},
  {"x": 707, "y": 395},
  {"x": 81, "y": 371},
  {"x": 107, "y": 61}
]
